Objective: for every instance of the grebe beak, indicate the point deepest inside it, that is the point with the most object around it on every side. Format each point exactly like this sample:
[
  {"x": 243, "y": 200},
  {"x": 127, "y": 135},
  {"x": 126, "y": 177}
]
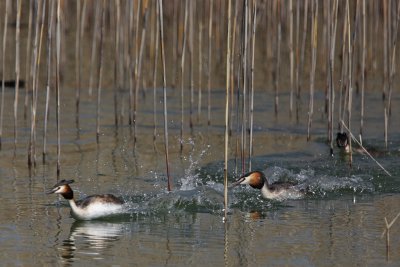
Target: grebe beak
[
  {"x": 53, "y": 190},
  {"x": 238, "y": 181}
]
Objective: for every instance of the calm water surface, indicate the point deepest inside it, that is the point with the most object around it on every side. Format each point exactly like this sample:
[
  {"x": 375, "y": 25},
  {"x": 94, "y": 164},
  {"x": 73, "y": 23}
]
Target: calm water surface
[{"x": 340, "y": 224}]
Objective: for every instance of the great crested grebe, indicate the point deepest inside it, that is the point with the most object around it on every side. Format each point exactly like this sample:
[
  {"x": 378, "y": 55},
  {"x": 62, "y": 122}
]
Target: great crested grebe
[
  {"x": 342, "y": 142},
  {"x": 91, "y": 207},
  {"x": 276, "y": 190}
]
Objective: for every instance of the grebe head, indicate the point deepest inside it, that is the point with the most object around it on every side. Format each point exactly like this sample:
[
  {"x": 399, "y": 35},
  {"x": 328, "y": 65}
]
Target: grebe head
[
  {"x": 63, "y": 188},
  {"x": 342, "y": 140},
  {"x": 255, "y": 179}
]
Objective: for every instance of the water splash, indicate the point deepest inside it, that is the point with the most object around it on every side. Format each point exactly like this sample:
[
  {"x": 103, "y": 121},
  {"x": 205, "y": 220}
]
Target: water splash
[{"x": 191, "y": 180}]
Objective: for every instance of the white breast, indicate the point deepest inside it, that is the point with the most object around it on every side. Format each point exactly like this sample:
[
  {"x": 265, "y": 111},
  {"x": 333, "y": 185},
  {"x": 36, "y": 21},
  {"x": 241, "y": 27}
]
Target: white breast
[
  {"x": 290, "y": 193},
  {"x": 95, "y": 210}
]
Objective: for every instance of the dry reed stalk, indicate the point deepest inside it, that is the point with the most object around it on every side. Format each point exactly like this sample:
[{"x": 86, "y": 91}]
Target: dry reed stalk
[
  {"x": 350, "y": 73},
  {"x": 125, "y": 56},
  {"x": 17, "y": 72},
  {"x": 385, "y": 48},
  {"x": 160, "y": 19},
  {"x": 278, "y": 55},
  {"x": 363, "y": 69},
  {"x": 182, "y": 70},
  {"x": 228, "y": 58},
  {"x": 376, "y": 33},
  {"x": 253, "y": 37},
  {"x": 325, "y": 53},
  {"x": 385, "y": 131},
  {"x": 7, "y": 11},
  {"x": 35, "y": 82},
  {"x": 371, "y": 38},
  {"x": 291, "y": 56},
  {"x": 129, "y": 64},
  {"x": 200, "y": 38},
  {"x": 351, "y": 53},
  {"x": 58, "y": 53},
  {"x": 238, "y": 117},
  {"x": 94, "y": 44},
  {"x": 328, "y": 28},
  {"x": 49, "y": 42},
  {"x": 210, "y": 26},
  {"x": 244, "y": 36},
  {"x": 314, "y": 38},
  {"x": 116, "y": 58},
  {"x": 217, "y": 31},
  {"x": 157, "y": 38},
  {"x": 78, "y": 55},
  {"x": 42, "y": 25},
  {"x": 343, "y": 76},
  {"x": 135, "y": 66},
  {"x": 175, "y": 42},
  {"x": 81, "y": 35},
  {"x": 191, "y": 65},
  {"x": 363, "y": 148},
  {"x": 297, "y": 54},
  {"x": 387, "y": 232},
  {"x": 299, "y": 74},
  {"x": 138, "y": 66},
  {"x": 28, "y": 70},
  {"x": 232, "y": 83},
  {"x": 331, "y": 71},
  {"x": 83, "y": 24},
  {"x": 100, "y": 68},
  {"x": 393, "y": 63}
]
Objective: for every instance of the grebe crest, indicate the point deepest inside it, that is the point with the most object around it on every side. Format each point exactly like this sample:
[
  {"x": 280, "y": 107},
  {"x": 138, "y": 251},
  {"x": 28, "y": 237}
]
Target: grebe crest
[
  {"x": 91, "y": 207},
  {"x": 276, "y": 190}
]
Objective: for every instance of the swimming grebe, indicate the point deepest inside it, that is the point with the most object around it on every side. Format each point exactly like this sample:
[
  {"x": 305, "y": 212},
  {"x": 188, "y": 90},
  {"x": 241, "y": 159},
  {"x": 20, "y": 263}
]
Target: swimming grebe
[
  {"x": 91, "y": 207},
  {"x": 276, "y": 190},
  {"x": 342, "y": 142}
]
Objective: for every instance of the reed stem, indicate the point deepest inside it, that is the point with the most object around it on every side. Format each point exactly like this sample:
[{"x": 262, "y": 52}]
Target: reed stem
[
  {"x": 34, "y": 69},
  {"x": 58, "y": 53},
  {"x": 200, "y": 38},
  {"x": 3, "y": 68},
  {"x": 291, "y": 56},
  {"x": 393, "y": 63},
  {"x": 100, "y": 69},
  {"x": 138, "y": 70},
  {"x": 210, "y": 27},
  {"x": 28, "y": 69},
  {"x": 299, "y": 76},
  {"x": 116, "y": 58},
  {"x": 78, "y": 55},
  {"x": 191, "y": 68},
  {"x": 363, "y": 69},
  {"x": 314, "y": 38},
  {"x": 157, "y": 40},
  {"x": 253, "y": 37},
  {"x": 244, "y": 76},
  {"x": 94, "y": 42},
  {"x": 228, "y": 58},
  {"x": 278, "y": 55},
  {"x": 49, "y": 45},
  {"x": 182, "y": 70},
  {"x": 17, "y": 72},
  {"x": 331, "y": 72},
  {"x": 160, "y": 19}
]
